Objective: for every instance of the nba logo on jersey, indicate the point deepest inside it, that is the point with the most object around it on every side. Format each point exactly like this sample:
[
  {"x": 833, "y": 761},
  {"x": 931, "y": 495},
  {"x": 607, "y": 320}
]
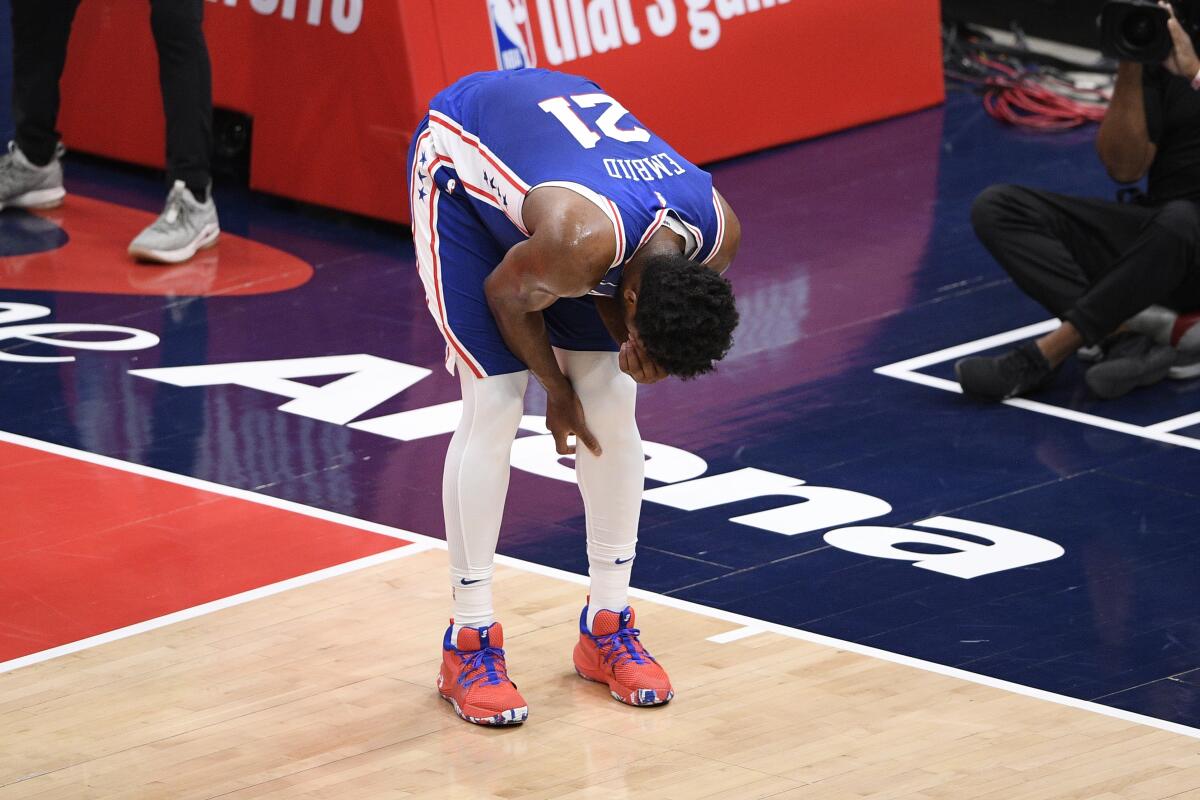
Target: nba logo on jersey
[{"x": 512, "y": 34}]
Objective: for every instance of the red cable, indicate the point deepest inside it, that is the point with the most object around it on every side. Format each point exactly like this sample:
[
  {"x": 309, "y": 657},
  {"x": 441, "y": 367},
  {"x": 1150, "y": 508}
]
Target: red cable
[{"x": 1015, "y": 97}]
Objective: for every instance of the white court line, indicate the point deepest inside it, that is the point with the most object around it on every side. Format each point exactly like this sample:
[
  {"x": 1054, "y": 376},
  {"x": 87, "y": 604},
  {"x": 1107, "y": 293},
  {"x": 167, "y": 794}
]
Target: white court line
[
  {"x": 960, "y": 350},
  {"x": 402, "y": 551},
  {"x": 735, "y": 634},
  {"x": 1186, "y": 421},
  {"x": 430, "y": 543},
  {"x": 906, "y": 371}
]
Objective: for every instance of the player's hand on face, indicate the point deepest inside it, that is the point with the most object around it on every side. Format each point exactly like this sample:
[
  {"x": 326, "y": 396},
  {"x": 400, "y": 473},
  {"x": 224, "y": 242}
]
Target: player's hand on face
[
  {"x": 1183, "y": 60},
  {"x": 635, "y": 362},
  {"x": 564, "y": 417}
]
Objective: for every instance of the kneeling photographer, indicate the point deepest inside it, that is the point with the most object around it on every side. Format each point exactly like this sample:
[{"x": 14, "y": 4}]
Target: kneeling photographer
[{"x": 1097, "y": 263}]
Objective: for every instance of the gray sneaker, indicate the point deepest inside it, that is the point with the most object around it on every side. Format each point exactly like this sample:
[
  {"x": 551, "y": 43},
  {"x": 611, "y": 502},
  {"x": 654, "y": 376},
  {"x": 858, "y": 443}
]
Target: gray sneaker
[
  {"x": 1155, "y": 322},
  {"x": 184, "y": 226},
  {"x": 1185, "y": 337},
  {"x": 1186, "y": 366},
  {"x": 23, "y": 185},
  {"x": 1130, "y": 360}
]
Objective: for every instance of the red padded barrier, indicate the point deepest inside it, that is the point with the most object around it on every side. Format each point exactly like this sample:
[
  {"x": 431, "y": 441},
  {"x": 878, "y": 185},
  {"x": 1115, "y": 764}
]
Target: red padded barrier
[{"x": 335, "y": 87}]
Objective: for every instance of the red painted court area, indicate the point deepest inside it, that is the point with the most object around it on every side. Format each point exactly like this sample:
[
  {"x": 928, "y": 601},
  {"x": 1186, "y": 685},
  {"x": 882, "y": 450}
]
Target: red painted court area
[
  {"x": 86, "y": 549},
  {"x": 87, "y": 261}
]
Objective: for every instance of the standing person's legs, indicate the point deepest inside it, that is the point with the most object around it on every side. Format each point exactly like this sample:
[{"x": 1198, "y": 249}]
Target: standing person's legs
[
  {"x": 474, "y": 672},
  {"x": 611, "y": 484},
  {"x": 188, "y": 222},
  {"x": 455, "y": 253},
  {"x": 30, "y": 171},
  {"x": 474, "y": 488},
  {"x": 41, "y": 30},
  {"x": 609, "y": 649},
  {"x": 185, "y": 75}
]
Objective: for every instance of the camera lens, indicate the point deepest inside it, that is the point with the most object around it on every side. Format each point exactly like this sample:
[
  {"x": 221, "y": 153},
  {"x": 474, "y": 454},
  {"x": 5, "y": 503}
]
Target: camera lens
[{"x": 1138, "y": 29}]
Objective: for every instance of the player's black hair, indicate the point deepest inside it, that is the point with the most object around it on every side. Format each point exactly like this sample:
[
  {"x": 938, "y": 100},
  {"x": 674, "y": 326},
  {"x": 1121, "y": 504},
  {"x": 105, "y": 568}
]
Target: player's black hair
[{"x": 685, "y": 315}]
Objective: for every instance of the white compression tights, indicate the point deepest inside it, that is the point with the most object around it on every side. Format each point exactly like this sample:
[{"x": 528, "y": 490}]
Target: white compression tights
[{"x": 475, "y": 480}]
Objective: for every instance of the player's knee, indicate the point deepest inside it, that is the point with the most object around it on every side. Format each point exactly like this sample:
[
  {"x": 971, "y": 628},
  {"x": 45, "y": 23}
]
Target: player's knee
[
  {"x": 617, "y": 388},
  {"x": 501, "y": 408},
  {"x": 610, "y": 401},
  {"x": 598, "y": 380}
]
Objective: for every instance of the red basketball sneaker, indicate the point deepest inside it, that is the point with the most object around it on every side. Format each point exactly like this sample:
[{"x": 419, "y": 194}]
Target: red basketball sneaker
[
  {"x": 611, "y": 653},
  {"x": 474, "y": 678}
]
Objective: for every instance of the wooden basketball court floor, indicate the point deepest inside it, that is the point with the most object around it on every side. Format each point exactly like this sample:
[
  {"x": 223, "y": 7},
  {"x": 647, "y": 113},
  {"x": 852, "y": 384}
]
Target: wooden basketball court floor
[
  {"x": 322, "y": 687},
  {"x": 220, "y": 577}
]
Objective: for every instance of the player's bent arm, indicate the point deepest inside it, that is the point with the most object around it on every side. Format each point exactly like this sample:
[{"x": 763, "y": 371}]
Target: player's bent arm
[
  {"x": 566, "y": 255},
  {"x": 732, "y": 241},
  {"x": 517, "y": 293}
]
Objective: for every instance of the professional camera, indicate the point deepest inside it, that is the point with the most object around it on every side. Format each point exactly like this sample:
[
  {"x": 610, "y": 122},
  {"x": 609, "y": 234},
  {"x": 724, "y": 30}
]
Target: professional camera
[{"x": 1136, "y": 30}]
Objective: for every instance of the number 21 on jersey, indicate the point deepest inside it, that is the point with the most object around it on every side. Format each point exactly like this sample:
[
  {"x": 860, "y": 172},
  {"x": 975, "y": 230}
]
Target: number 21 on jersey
[{"x": 607, "y": 122}]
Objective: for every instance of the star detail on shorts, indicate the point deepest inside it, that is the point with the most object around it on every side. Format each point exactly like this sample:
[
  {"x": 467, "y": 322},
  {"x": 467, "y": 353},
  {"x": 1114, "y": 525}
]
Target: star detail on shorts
[{"x": 421, "y": 192}]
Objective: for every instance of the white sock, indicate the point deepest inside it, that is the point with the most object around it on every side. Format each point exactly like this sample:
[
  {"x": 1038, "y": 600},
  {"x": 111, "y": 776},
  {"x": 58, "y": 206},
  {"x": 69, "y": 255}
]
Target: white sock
[
  {"x": 612, "y": 483},
  {"x": 474, "y": 485},
  {"x": 472, "y": 606},
  {"x": 610, "y": 568}
]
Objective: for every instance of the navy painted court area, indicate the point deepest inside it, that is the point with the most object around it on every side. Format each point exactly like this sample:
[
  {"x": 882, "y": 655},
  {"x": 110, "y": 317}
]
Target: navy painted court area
[{"x": 857, "y": 254}]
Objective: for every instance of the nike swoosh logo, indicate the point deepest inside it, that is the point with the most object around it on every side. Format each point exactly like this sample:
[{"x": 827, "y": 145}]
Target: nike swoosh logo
[
  {"x": 466, "y": 582},
  {"x": 625, "y": 560}
]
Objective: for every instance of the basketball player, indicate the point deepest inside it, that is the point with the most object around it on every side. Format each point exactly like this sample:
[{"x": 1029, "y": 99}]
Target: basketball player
[{"x": 557, "y": 236}]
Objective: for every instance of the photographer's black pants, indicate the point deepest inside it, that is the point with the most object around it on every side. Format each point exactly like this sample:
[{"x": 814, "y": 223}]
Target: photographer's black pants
[
  {"x": 1093, "y": 263},
  {"x": 41, "y": 29}
]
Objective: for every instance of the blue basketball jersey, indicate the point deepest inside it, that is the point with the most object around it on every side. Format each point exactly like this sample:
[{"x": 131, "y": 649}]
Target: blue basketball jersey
[{"x": 502, "y": 134}]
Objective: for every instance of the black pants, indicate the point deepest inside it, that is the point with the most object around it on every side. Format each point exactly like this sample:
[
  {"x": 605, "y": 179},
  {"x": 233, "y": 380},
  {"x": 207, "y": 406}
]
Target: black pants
[
  {"x": 1093, "y": 263},
  {"x": 41, "y": 29}
]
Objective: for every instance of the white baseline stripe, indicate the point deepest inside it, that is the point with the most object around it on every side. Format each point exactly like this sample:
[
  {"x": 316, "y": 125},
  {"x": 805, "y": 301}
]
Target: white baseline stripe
[
  {"x": 734, "y": 635},
  {"x": 217, "y": 488},
  {"x": 761, "y": 626},
  {"x": 431, "y": 543}
]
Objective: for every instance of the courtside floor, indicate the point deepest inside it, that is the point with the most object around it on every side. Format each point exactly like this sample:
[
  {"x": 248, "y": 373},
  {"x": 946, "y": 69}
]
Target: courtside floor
[{"x": 222, "y": 577}]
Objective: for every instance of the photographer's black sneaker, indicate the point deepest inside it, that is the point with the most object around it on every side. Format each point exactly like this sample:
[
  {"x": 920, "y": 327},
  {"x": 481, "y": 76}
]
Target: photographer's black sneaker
[
  {"x": 1130, "y": 360},
  {"x": 1017, "y": 372}
]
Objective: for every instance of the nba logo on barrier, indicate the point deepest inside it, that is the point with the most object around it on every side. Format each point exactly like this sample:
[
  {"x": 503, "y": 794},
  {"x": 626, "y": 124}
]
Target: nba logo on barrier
[{"x": 512, "y": 33}]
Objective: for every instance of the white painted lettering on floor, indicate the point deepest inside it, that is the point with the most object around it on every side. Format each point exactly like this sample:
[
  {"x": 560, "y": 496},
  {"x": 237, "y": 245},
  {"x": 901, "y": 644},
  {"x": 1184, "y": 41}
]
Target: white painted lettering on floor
[{"x": 370, "y": 380}]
